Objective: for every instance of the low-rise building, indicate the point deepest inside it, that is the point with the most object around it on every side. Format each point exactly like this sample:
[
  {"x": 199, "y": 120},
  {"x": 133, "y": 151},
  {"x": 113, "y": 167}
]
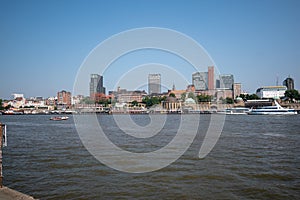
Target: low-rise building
[
  {"x": 64, "y": 99},
  {"x": 271, "y": 92},
  {"x": 122, "y": 95}
]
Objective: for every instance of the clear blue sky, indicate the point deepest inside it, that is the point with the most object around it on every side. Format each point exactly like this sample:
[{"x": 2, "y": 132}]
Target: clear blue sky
[{"x": 43, "y": 43}]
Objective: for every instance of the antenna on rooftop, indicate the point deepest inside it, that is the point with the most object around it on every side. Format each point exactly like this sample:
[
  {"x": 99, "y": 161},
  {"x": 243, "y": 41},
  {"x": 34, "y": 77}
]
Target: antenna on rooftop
[{"x": 277, "y": 80}]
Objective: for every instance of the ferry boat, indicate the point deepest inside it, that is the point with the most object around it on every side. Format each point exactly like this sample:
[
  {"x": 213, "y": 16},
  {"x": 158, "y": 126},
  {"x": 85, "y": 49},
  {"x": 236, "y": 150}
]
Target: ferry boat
[
  {"x": 58, "y": 118},
  {"x": 272, "y": 110},
  {"x": 237, "y": 111}
]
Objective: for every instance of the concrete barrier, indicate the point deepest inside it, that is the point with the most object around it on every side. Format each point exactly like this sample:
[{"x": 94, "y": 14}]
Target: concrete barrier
[{"x": 9, "y": 194}]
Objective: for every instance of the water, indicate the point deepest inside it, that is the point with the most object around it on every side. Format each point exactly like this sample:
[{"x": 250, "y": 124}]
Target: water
[{"x": 256, "y": 157}]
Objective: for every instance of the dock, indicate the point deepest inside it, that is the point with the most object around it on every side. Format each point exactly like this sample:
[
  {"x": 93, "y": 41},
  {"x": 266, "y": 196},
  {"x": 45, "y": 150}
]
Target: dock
[{"x": 9, "y": 194}]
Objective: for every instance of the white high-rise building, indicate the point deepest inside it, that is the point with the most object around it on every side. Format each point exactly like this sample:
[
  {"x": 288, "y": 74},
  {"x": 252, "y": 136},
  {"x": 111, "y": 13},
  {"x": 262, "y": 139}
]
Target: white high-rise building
[
  {"x": 154, "y": 83},
  {"x": 200, "y": 80}
]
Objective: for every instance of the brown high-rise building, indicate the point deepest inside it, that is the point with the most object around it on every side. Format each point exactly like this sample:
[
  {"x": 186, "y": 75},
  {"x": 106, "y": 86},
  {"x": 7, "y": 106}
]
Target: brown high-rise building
[
  {"x": 64, "y": 98},
  {"x": 237, "y": 89},
  {"x": 211, "y": 78}
]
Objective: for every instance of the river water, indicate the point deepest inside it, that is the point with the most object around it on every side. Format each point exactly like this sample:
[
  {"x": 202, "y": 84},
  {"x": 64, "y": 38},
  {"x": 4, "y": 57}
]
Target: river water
[{"x": 256, "y": 157}]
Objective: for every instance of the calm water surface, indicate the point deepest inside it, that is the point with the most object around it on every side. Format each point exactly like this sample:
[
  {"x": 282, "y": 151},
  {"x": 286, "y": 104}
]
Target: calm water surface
[{"x": 256, "y": 157}]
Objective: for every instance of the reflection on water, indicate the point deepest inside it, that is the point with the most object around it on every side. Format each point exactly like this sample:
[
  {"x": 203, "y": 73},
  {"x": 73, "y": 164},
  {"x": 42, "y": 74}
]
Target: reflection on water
[{"x": 257, "y": 157}]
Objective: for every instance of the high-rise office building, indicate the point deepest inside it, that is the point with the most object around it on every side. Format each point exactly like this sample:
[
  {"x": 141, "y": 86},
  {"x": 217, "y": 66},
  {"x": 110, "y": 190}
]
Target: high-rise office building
[
  {"x": 289, "y": 83},
  {"x": 226, "y": 81},
  {"x": 200, "y": 80},
  {"x": 211, "y": 78},
  {"x": 154, "y": 83},
  {"x": 96, "y": 84},
  {"x": 218, "y": 83},
  {"x": 64, "y": 98},
  {"x": 237, "y": 89}
]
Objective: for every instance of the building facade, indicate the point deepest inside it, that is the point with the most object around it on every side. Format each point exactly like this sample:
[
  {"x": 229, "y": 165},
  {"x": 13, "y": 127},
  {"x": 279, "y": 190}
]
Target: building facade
[
  {"x": 200, "y": 80},
  {"x": 226, "y": 81},
  {"x": 64, "y": 99},
  {"x": 237, "y": 89},
  {"x": 289, "y": 83},
  {"x": 154, "y": 83},
  {"x": 125, "y": 96},
  {"x": 211, "y": 78},
  {"x": 271, "y": 92},
  {"x": 96, "y": 85}
]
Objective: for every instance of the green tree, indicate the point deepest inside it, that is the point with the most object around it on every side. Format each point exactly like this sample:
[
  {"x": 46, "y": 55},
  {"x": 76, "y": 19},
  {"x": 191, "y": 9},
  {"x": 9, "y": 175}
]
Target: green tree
[
  {"x": 204, "y": 98},
  {"x": 229, "y": 100},
  {"x": 146, "y": 100},
  {"x": 87, "y": 100},
  {"x": 191, "y": 95},
  {"x": 172, "y": 95},
  {"x": 155, "y": 100},
  {"x": 7, "y": 107},
  {"x": 1, "y": 107},
  {"x": 134, "y": 103},
  {"x": 104, "y": 101},
  {"x": 292, "y": 95},
  {"x": 162, "y": 99},
  {"x": 253, "y": 96},
  {"x": 248, "y": 97},
  {"x": 183, "y": 95},
  {"x": 150, "y": 101}
]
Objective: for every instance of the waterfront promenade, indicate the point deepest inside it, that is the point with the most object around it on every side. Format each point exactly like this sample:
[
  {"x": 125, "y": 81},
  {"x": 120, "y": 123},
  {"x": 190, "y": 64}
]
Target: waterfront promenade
[{"x": 9, "y": 194}]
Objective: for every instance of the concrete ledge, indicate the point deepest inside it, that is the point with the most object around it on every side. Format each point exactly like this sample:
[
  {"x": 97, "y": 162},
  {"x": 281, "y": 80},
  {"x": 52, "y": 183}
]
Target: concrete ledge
[{"x": 9, "y": 194}]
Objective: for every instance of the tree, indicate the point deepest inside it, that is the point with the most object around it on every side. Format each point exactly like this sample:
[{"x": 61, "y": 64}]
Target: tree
[
  {"x": 150, "y": 101},
  {"x": 183, "y": 95},
  {"x": 292, "y": 95},
  {"x": 229, "y": 100},
  {"x": 104, "y": 101},
  {"x": 134, "y": 103},
  {"x": 87, "y": 100},
  {"x": 249, "y": 97},
  {"x": 192, "y": 95},
  {"x": 162, "y": 99},
  {"x": 253, "y": 96},
  {"x": 1, "y": 107},
  {"x": 8, "y": 107},
  {"x": 172, "y": 95},
  {"x": 204, "y": 98}
]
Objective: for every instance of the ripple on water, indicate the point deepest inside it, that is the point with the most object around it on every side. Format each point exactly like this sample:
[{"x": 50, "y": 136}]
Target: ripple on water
[{"x": 255, "y": 158}]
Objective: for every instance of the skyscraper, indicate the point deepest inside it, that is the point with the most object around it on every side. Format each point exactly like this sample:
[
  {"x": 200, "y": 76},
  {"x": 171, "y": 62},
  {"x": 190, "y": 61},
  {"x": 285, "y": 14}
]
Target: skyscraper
[
  {"x": 211, "y": 78},
  {"x": 226, "y": 81},
  {"x": 237, "y": 89},
  {"x": 154, "y": 83},
  {"x": 64, "y": 98},
  {"x": 200, "y": 80},
  {"x": 96, "y": 84},
  {"x": 289, "y": 83}
]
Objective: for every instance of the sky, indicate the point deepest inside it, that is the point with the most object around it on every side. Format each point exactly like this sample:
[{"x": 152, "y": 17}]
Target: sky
[{"x": 43, "y": 44}]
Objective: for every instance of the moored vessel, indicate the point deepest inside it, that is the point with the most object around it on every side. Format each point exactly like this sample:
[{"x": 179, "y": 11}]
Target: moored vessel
[
  {"x": 272, "y": 110},
  {"x": 59, "y": 118}
]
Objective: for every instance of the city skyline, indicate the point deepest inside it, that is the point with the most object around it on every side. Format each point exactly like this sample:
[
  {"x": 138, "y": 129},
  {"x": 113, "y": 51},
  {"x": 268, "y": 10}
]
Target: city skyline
[
  {"x": 223, "y": 82},
  {"x": 41, "y": 52}
]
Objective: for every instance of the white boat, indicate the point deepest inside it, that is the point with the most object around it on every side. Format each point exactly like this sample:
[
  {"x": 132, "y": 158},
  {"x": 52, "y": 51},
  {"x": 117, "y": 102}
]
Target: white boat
[
  {"x": 58, "y": 118},
  {"x": 272, "y": 110},
  {"x": 237, "y": 111}
]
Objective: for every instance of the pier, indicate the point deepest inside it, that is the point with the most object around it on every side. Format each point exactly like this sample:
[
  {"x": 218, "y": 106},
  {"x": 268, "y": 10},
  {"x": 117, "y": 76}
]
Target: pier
[
  {"x": 9, "y": 194},
  {"x": 5, "y": 192}
]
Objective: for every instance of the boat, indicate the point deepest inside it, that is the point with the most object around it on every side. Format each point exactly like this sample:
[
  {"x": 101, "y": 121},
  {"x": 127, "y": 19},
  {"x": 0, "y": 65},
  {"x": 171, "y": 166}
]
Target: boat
[
  {"x": 272, "y": 110},
  {"x": 58, "y": 118},
  {"x": 236, "y": 111},
  {"x": 12, "y": 112}
]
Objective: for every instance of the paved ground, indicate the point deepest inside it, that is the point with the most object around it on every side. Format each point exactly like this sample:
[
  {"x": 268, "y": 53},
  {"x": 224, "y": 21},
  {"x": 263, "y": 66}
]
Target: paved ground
[{"x": 9, "y": 194}]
